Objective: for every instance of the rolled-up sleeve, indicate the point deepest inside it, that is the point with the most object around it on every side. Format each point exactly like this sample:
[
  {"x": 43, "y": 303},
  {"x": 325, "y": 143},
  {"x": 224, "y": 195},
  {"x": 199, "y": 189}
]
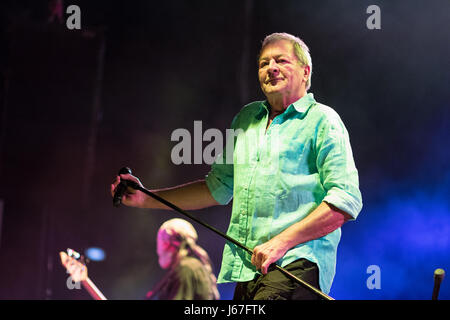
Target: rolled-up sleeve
[
  {"x": 336, "y": 166},
  {"x": 220, "y": 183}
]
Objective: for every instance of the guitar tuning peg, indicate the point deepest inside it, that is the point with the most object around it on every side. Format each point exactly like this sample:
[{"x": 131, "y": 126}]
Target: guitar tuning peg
[
  {"x": 84, "y": 260},
  {"x": 72, "y": 253}
]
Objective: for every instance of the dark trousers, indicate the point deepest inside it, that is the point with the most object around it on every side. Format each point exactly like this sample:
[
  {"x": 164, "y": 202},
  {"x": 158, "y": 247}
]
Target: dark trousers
[{"x": 276, "y": 286}]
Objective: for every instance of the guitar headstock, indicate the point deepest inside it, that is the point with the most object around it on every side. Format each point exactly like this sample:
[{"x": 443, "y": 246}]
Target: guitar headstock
[{"x": 74, "y": 264}]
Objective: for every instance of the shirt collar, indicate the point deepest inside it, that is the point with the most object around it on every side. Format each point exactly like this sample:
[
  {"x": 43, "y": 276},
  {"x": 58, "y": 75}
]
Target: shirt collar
[{"x": 301, "y": 105}]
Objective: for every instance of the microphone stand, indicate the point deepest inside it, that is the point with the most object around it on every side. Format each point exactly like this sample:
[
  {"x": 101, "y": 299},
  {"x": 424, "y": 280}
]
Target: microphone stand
[
  {"x": 438, "y": 277},
  {"x": 136, "y": 186}
]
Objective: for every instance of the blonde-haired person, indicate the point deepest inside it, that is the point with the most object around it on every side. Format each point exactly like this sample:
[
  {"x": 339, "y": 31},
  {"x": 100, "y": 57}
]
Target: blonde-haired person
[{"x": 189, "y": 273}]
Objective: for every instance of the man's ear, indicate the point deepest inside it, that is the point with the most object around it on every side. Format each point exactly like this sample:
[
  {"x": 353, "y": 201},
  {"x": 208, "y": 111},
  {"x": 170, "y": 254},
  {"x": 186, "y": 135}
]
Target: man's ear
[{"x": 307, "y": 73}]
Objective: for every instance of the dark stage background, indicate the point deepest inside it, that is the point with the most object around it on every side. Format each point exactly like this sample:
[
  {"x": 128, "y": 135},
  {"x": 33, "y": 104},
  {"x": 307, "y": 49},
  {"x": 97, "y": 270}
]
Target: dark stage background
[{"x": 76, "y": 105}]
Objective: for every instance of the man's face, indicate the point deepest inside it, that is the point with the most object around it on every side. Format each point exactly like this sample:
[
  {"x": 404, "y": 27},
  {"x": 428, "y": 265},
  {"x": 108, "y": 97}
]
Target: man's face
[{"x": 279, "y": 70}]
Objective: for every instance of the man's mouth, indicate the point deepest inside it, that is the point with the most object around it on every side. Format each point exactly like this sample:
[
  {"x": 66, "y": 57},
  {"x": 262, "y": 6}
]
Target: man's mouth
[{"x": 274, "y": 80}]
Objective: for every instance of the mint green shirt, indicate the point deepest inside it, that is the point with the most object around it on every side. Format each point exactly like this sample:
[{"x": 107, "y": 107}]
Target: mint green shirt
[{"x": 277, "y": 177}]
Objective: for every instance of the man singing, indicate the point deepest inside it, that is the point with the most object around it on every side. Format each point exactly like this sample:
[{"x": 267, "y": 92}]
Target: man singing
[{"x": 293, "y": 182}]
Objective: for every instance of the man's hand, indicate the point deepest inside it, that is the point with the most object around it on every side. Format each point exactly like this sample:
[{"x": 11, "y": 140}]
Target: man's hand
[
  {"x": 267, "y": 253},
  {"x": 131, "y": 198}
]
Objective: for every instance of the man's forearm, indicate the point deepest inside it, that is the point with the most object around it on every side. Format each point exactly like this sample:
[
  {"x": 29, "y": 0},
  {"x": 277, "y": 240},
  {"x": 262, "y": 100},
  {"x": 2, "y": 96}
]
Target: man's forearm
[
  {"x": 190, "y": 196},
  {"x": 320, "y": 222}
]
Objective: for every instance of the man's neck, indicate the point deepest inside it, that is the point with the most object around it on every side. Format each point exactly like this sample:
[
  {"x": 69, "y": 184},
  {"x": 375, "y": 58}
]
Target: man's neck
[{"x": 278, "y": 104}]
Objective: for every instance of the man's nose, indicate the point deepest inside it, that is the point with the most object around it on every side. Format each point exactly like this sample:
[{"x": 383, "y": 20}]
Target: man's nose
[{"x": 273, "y": 67}]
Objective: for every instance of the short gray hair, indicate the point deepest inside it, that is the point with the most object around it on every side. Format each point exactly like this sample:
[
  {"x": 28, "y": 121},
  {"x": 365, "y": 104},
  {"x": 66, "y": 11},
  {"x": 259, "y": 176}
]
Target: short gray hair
[{"x": 301, "y": 50}]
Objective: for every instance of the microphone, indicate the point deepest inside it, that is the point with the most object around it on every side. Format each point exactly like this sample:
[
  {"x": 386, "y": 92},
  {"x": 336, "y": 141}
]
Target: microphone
[
  {"x": 438, "y": 276},
  {"x": 121, "y": 188}
]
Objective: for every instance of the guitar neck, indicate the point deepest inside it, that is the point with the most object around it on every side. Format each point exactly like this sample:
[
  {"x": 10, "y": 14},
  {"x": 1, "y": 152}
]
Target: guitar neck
[{"x": 92, "y": 289}]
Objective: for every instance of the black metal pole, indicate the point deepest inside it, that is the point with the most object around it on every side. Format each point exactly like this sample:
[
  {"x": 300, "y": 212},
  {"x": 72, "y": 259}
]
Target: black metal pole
[{"x": 136, "y": 186}]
